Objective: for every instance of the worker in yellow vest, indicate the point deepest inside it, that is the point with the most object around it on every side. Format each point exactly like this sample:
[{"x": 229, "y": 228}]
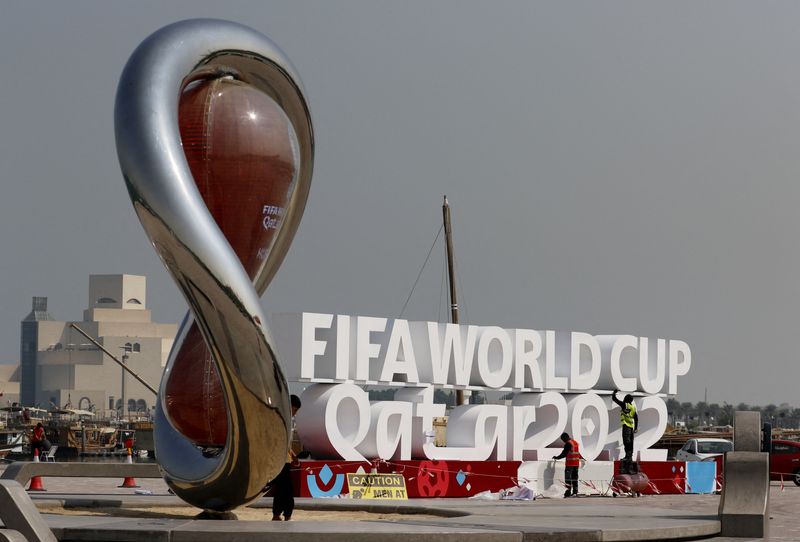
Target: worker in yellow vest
[
  {"x": 629, "y": 421},
  {"x": 572, "y": 453}
]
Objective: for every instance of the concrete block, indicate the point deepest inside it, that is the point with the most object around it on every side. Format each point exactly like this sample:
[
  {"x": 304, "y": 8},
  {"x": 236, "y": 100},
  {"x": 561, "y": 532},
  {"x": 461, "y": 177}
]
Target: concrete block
[
  {"x": 22, "y": 472},
  {"x": 744, "y": 505},
  {"x": 18, "y": 513},
  {"x": 540, "y": 475},
  {"x": 657, "y": 454},
  {"x": 747, "y": 431}
]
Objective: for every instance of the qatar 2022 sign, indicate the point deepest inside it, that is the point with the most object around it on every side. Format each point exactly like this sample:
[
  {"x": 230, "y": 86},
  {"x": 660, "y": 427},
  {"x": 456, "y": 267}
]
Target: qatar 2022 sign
[
  {"x": 561, "y": 381},
  {"x": 216, "y": 147}
]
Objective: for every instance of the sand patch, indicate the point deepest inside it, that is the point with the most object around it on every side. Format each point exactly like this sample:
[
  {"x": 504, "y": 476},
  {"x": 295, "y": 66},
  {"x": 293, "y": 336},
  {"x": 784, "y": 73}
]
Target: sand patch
[{"x": 244, "y": 514}]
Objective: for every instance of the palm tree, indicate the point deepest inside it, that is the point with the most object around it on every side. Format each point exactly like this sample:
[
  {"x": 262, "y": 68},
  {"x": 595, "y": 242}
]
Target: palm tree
[
  {"x": 702, "y": 412},
  {"x": 714, "y": 411},
  {"x": 673, "y": 409},
  {"x": 687, "y": 409},
  {"x": 726, "y": 415},
  {"x": 768, "y": 413}
]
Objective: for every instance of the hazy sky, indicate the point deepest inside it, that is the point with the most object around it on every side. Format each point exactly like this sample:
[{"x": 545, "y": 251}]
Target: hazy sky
[{"x": 613, "y": 167}]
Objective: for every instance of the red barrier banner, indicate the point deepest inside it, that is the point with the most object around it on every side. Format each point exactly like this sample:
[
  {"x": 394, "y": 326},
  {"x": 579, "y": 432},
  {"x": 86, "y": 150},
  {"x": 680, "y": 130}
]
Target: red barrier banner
[
  {"x": 328, "y": 479},
  {"x": 666, "y": 477}
]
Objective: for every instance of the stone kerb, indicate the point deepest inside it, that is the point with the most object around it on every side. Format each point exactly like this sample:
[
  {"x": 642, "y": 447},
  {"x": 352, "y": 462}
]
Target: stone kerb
[
  {"x": 20, "y": 516},
  {"x": 747, "y": 431}
]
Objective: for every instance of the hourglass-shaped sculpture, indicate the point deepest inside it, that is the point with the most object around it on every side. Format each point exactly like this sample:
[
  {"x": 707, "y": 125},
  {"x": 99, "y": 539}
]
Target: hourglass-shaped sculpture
[{"x": 215, "y": 143}]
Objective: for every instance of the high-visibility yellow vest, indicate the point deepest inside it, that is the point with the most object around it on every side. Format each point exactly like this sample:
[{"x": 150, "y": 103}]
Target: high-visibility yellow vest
[{"x": 626, "y": 414}]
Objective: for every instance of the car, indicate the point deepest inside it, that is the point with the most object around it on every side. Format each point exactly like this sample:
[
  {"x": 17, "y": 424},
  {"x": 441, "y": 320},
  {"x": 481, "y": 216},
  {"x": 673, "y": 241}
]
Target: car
[
  {"x": 703, "y": 449},
  {"x": 784, "y": 461}
]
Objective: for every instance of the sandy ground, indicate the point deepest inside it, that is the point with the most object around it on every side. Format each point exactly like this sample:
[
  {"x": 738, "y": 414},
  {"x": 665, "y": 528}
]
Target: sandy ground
[
  {"x": 784, "y": 505},
  {"x": 246, "y": 514}
]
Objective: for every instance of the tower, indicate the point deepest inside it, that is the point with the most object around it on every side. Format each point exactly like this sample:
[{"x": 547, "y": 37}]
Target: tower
[{"x": 29, "y": 339}]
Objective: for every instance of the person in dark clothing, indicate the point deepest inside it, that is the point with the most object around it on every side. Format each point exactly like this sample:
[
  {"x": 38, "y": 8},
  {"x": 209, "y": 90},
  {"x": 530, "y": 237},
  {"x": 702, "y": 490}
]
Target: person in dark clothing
[
  {"x": 629, "y": 420},
  {"x": 572, "y": 453},
  {"x": 283, "y": 499}
]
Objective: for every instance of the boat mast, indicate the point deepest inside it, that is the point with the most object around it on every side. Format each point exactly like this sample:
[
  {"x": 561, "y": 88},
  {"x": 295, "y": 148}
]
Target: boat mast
[{"x": 448, "y": 235}]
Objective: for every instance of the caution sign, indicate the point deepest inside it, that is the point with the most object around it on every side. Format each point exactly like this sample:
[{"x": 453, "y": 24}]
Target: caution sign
[{"x": 373, "y": 485}]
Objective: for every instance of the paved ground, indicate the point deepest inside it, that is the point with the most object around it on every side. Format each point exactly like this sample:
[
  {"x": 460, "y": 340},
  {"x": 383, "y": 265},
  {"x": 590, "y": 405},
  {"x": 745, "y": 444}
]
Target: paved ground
[{"x": 589, "y": 518}]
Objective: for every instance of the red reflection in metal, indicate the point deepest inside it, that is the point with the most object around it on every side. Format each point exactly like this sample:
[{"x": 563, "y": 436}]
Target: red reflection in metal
[{"x": 241, "y": 150}]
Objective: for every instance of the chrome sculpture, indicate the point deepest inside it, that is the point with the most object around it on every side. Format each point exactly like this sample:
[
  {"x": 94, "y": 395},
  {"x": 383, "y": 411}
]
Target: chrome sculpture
[{"x": 167, "y": 126}]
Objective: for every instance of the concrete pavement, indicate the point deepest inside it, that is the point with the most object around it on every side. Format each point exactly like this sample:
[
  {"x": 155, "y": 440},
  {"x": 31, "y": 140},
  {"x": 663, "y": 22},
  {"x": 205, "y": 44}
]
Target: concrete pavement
[
  {"x": 660, "y": 517},
  {"x": 579, "y": 520}
]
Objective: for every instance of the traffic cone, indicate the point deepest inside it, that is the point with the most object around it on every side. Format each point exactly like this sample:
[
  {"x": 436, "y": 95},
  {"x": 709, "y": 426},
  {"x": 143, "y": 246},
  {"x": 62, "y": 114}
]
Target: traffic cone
[
  {"x": 129, "y": 481},
  {"x": 36, "y": 481}
]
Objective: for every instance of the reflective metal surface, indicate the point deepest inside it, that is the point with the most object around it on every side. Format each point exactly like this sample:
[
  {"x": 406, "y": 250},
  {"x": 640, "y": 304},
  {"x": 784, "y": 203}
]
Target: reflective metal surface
[{"x": 223, "y": 298}]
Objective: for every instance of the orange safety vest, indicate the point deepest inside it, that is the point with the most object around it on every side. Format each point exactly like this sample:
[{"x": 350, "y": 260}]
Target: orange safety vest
[{"x": 574, "y": 455}]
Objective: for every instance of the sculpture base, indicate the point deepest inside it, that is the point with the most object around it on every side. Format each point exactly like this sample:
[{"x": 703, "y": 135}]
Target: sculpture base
[{"x": 211, "y": 514}]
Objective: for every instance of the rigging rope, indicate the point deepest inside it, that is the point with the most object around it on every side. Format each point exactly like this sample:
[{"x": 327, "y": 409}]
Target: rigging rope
[{"x": 420, "y": 271}]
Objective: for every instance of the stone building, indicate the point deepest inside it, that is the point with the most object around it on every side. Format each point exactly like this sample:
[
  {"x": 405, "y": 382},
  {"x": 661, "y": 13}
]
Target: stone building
[
  {"x": 60, "y": 367},
  {"x": 9, "y": 384}
]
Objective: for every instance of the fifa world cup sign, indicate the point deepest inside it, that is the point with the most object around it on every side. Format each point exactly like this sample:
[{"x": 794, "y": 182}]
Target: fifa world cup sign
[
  {"x": 561, "y": 381},
  {"x": 215, "y": 144}
]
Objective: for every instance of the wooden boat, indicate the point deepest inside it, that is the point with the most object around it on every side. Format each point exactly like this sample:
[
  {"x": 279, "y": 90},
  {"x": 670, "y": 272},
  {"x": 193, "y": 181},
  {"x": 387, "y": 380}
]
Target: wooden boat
[
  {"x": 75, "y": 433},
  {"x": 11, "y": 441}
]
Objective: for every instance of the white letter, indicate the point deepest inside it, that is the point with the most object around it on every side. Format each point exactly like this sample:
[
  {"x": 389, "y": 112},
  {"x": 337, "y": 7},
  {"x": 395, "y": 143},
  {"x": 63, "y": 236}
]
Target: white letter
[
  {"x": 343, "y": 350},
  {"x": 311, "y": 346},
  {"x": 527, "y": 359},
  {"x": 392, "y": 363},
  {"x": 389, "y": 435},
  {"x": 680, "y": 360},
  {"x": 451, "y": 347},
  {"x": 522, "y": 417},
  {"x": 550, "y": 418},
  {"x": 334, "y": 420},
  {"x": 648, "y": 384},
  {"x": 474, "y": 433},
  {"x": 551, "y": 362},
  {"x": 652, "y": 424},
  {"x": 494, "y": 372},
  {"x": 622, "y": 343},
  {"x": 584, "y": 380},
  {"x": 588, "y": 423},
  {"x": 365, "y": 350},
  {"x": 425, "y": 410}
]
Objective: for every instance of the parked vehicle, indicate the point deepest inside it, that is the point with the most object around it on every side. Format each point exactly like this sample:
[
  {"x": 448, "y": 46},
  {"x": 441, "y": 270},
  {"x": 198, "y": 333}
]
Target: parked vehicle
[
  {"x": 784, "y": 461},
  {"x": 703, "y": 449}
]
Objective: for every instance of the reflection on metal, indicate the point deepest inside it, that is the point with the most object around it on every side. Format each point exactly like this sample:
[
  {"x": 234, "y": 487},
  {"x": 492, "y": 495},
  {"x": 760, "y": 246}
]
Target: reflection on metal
[{"x": 223, "y": 341}]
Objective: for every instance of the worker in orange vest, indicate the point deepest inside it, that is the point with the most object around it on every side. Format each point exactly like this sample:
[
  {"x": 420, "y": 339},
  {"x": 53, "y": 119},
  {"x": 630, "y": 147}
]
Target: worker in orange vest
[{"x": 572, "y": 453}]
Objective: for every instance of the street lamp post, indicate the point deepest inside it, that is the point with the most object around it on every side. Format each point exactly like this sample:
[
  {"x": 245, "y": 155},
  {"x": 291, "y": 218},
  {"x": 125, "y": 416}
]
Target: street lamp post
[{"x": 124, "y": 407}]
